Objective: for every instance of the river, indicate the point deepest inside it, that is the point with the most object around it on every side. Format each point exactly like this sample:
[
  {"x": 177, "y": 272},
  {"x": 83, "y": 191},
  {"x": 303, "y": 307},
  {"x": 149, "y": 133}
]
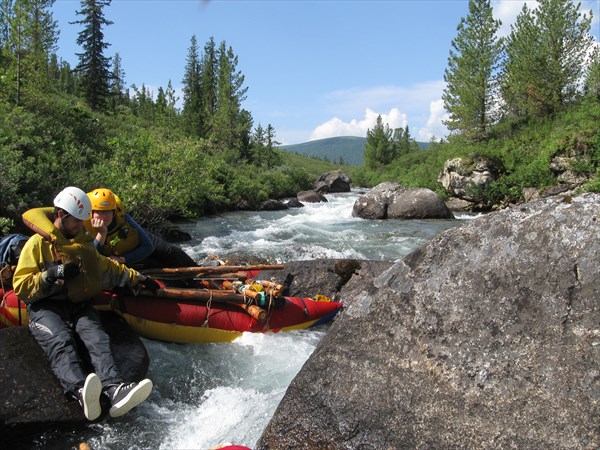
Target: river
[{"x": 205, "y": 395}]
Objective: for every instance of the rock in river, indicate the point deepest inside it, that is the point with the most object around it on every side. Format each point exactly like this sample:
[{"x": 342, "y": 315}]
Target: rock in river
[{"x": 488, "y": 336}]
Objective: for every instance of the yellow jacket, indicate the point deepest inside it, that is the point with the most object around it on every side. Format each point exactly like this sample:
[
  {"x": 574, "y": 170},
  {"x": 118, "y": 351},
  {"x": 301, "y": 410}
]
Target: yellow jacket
[{"x": 97, "y": 272}]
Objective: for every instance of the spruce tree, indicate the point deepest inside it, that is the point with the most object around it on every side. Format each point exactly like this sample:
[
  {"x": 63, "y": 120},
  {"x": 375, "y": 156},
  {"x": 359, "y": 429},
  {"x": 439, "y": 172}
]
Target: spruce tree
[
  {"x": 192, "y": 93},
  {"x": 209, "y": 67},
  {"x": 270, "y": 155},
  {"x": 546, "y": 58},
  {"x": 6, "y": 8},
  {"x": 592, "y": 80},
  {"x": 379, "y": 149},
  {"x": 471, "y": 72},
  {"x": 29, "y": 44},
  {"x": 229, "y": 124},
  {"x": 117, "y": 83},
  {"x": 258, "y": 144},
  {"x": 94, "y": 67}
]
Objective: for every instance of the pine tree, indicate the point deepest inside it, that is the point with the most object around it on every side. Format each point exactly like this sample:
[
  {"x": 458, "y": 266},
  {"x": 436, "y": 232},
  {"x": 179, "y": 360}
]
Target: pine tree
[
  {"x": 379, "y": 149},
  {"x": 94, "y": 67},
  {"x": 592, "y": 81},
  {"x": 171, "y": 105},
  {"x": 546, "y": 54},
  {"x": 117, "y": 83},
  {"x": 270, "y": 155},
  {"x": 192, "y": 92},
  {"x": 208, "y": 85},
  {"x": 229, "y": 123},
  {"x": 258, "y": 144},
  {"x": 5, "y": 16},
  {"x": 470, "y": 76},
  {"x": 29, "y": 43},
  {"x": 6, "y": 8}
]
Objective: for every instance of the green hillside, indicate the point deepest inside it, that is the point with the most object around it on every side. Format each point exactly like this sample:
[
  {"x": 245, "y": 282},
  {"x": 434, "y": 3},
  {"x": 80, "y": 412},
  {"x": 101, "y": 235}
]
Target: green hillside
[{"x": 339, "y": 150}]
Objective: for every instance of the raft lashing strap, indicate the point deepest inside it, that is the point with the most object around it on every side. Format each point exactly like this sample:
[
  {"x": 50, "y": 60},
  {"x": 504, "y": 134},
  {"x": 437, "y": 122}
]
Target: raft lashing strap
[{"x": 208, "y": 306}]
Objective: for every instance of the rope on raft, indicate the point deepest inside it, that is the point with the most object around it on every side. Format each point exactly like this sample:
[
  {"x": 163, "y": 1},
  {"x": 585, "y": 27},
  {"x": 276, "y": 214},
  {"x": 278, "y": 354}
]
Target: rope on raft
[{"x": 208, "y": 306}]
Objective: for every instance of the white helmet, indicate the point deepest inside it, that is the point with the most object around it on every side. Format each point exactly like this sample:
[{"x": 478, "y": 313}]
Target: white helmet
[{"x": 74, "y": 201}]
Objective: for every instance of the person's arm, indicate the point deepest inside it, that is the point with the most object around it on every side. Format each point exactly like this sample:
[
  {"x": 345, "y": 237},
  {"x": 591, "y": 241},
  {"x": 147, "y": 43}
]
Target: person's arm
[
  {"x": 115, "y": 274},
  {"x": 31, "y": 283},
  {"x": 143, "y": 250}
]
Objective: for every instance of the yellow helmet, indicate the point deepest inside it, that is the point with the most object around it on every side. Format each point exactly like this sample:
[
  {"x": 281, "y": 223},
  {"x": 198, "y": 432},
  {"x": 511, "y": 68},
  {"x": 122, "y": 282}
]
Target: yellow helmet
[{"x": 102, "y": 199}]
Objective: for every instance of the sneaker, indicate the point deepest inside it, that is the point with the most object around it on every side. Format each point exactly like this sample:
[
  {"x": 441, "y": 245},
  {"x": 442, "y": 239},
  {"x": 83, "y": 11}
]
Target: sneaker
[
  {"x": 89, "y": 397},
  {"x": 126, "y": 396}
]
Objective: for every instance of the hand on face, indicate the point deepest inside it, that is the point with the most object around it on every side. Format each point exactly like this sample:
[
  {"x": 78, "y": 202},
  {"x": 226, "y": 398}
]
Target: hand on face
[{"x": 100, "y": 225}]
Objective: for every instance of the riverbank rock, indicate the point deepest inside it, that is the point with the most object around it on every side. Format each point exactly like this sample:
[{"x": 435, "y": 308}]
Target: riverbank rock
[
  {"x": 31, "y": 397},
  {"x": 333, "y": 181},
  {"x": 325, "y": 276},
  {"x": 310, "y": 197},
  {"x": 392, "y": 201},
  {"x": 466, "y": 177},
  {"x": 488, "y": 336}
]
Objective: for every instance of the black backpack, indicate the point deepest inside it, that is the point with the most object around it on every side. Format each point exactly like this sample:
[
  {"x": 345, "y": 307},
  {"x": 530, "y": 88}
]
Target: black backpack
[{"x": 10, "y": 248}]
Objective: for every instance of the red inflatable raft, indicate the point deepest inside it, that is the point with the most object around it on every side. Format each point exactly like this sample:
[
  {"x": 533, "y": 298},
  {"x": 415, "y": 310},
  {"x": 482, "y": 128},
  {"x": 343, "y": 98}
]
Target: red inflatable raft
[{"x": 195, "y": 315}]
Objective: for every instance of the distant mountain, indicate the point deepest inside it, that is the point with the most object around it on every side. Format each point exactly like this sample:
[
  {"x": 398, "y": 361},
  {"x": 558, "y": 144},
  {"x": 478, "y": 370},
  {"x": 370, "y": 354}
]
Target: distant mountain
[{"x": 350, "y": 149}]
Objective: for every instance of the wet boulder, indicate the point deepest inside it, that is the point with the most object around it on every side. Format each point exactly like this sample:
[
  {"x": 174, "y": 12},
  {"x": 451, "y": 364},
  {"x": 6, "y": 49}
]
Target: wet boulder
[
  {"x": 486, "y": 336},
  {"x": 392, "y": 201},
  {"x": 310, "y": 197},
  {"x": 333, "y": 181},
  {"x": 272, "y": 205},
  {"x": 31, "y": 397},
  {"x": 325, "y": 276}
]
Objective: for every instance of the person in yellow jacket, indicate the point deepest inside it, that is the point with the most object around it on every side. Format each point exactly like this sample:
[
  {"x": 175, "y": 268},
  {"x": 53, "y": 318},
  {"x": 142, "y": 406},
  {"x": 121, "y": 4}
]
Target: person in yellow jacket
[
  {"x": 121, "y": 238},
  {"x": 58, "y": 273}
]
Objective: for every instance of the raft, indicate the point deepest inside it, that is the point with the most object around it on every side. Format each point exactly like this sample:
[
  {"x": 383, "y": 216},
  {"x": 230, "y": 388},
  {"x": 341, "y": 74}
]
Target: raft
[{"x": 192, "y": 320}]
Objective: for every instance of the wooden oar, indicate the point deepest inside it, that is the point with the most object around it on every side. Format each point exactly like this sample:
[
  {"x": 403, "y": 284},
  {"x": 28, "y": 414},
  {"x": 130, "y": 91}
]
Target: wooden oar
[{"x": 210, "y": 269}]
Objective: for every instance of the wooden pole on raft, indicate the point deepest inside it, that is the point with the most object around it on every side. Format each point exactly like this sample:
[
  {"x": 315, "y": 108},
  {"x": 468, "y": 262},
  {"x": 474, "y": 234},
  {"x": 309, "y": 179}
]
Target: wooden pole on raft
[
  {"x": 210, "y": 269},
  {"x": 204, "y": 296}
]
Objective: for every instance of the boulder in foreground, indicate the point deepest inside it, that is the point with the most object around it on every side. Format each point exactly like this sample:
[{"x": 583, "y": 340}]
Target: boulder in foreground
[{"x": 488, "y": 336}]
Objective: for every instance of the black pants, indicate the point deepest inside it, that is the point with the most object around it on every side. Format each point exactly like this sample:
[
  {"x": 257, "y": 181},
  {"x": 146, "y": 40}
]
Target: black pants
[
  {"x": 166, "y": 255},
  {"x": 58, "y": 325}
]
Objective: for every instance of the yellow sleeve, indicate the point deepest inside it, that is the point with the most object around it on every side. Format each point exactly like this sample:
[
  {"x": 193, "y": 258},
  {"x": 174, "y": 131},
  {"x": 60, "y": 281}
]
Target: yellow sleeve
[
  {"x": 116, "y": 274},
  {"x": 27, "y": 279}
]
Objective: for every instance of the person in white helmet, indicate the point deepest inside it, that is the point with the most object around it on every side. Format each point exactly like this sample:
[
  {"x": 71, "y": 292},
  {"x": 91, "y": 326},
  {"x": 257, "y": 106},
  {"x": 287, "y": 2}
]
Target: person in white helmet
[{"x": 58, "y": 273}]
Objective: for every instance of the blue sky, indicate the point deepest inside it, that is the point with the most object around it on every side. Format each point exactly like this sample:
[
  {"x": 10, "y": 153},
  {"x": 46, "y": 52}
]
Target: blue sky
[{"x": 314, "y": 68}]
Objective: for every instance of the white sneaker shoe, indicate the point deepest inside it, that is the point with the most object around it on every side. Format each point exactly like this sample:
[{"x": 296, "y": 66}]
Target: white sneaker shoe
[{"x": 89, "y": 397}]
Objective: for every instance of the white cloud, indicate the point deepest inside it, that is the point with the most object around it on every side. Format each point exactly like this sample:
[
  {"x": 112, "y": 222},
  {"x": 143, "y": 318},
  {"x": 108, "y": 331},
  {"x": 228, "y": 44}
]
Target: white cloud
[
  {"x": 337, "y": 127},
  {"x": 435, "y": 127},
  {"x": 508, "y": 10},
  {"x": 404, "y": 106}
]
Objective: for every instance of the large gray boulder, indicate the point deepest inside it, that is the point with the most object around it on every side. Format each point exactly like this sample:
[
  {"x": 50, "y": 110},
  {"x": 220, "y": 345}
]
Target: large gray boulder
[
  {"x": 32, "y": 399},
  {"x": 333, "y": 181},
  {"x": 311, "y": 196},
  {"x": 488, "y": 336},
  {"x": 392, "y": 201}
]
